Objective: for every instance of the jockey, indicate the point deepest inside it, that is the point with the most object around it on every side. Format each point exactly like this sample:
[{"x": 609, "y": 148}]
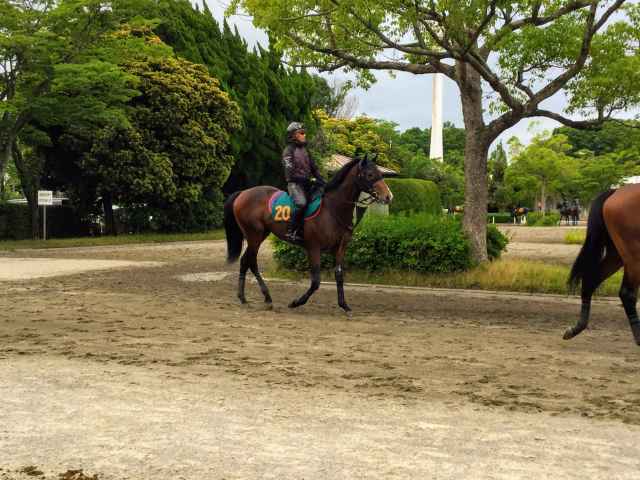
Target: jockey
[{"x": 299, "y": 168}]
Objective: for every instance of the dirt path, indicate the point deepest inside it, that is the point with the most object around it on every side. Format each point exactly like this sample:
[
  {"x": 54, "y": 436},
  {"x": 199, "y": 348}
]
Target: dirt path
[{"x": 137, "y": 374}]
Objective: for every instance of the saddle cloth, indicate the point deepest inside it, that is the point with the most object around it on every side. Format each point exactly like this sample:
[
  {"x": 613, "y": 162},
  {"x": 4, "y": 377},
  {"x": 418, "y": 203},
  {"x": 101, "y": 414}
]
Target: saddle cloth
[{"x": 282, "y": 207}]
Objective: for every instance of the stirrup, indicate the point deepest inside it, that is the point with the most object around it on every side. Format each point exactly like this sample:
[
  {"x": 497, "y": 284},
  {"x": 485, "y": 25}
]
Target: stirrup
[{"x": 294, "y": 236}]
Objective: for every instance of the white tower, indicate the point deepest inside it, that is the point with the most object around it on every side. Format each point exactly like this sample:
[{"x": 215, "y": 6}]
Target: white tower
[{"x": 435, "y": 150}]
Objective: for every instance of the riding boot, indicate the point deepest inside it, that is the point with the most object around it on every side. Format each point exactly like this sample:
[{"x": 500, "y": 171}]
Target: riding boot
[{"x": 295, "y": 230}]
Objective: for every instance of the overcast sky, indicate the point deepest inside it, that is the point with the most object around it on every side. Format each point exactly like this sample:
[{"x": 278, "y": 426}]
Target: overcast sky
[{"x": 405, "y": 99}]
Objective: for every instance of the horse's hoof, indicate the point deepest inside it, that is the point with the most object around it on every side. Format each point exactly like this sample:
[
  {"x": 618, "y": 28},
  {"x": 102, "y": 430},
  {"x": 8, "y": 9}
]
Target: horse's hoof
[
  {"x": 268, "y": 306},
  {"x": 569, "y": 334},
  {"x": 635, "y": 328},
  {"x": 294, "y": 304}
]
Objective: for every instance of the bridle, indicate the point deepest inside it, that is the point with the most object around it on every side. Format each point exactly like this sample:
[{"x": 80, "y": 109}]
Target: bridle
[{"x": 366, "y": 186}]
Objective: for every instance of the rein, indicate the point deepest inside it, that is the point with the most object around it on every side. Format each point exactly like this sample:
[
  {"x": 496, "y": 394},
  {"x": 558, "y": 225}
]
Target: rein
[{"x": 363, "y": 204}]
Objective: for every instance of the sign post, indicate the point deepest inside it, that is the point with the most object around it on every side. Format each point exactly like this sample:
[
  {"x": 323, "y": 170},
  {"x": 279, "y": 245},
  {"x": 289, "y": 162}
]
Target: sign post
[{"x": 45, "y": 197}]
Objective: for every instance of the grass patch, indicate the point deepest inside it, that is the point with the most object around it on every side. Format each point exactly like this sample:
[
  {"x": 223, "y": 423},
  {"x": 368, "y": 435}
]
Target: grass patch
[
  {"x": 575, "y": 237},
  {"x": 107, "y": 240},
  {"x": 501, "y": 275}
]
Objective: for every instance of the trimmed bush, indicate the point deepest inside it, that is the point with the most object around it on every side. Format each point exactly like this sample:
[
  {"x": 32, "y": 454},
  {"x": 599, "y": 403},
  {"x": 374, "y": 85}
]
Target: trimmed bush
[
  {"x": 536, "y": 219},
  {"x": 502, "y": 217},
  {"x": 422, "y": 243},
  {"x": 15, "y": 222},
  {"x": 412, "y": 195}
]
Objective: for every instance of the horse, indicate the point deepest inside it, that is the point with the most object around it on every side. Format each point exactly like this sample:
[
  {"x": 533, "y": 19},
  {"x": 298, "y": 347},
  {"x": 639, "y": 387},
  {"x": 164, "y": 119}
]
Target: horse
[
  {"x": 247, "y": 215},
  {"x": 452, "y": 210},
  {"x": 612, "y": 242},
  {"x": 569, "y": 212},
  {"x": 518, "y": 213}
]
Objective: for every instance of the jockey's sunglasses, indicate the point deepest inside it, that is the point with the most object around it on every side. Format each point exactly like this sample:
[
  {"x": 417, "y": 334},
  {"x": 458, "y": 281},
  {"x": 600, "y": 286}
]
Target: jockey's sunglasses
[{"x": 301, "y": 132}]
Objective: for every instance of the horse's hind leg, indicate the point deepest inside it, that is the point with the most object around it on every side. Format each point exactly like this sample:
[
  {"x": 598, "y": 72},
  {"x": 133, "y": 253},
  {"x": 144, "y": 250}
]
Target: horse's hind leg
[
  {"x": 250, "y": 261},
  {"x": 608, "y": 266},
  {"x": 253, "y": 265},
  {"x": 629, "y": 297}
]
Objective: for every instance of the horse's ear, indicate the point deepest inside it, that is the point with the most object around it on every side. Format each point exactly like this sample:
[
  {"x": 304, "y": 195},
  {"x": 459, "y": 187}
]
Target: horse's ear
[{"x": 364, "y": 160}]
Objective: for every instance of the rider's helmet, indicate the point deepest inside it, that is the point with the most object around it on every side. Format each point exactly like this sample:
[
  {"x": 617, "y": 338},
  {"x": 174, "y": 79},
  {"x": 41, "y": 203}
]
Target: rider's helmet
[{"x": 293, "y": 128}]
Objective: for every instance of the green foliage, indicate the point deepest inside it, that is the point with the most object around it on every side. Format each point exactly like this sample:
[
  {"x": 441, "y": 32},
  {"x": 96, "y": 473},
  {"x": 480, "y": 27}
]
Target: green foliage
[
  {"x": 575, "y": 237},
  {"x": 551, "y": 167},
  {"x": 612, "y": 137},
  {"x": 420, "y": 243},
  {"x": 15, "y": 222},
  {"x": 269, "y": 95},
  {"x": 496, "y": 242},
  {"x": 175, "y": 158},
  {"x": 504, "y": 217},
  {"x": 537, "y": 219},
  {"x": 412, "y": 195},
  {"x": 360, "y": 135}
]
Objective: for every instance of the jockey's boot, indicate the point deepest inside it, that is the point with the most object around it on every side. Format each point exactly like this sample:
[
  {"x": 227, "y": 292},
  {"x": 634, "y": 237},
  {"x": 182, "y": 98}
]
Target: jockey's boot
[{"x": 295, "y": 229}]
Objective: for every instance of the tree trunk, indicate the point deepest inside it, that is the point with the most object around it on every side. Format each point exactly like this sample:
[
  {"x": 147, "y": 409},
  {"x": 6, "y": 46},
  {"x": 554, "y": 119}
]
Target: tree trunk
[
  {"x": 30, "y": 182},
  {"x": 475, "y": 162},
  {"x": 109, "y": 218},
  {"x": 32, "y": 200},
  {"x": 5, "y": 157},
  {"x": 543, "y": 199}
]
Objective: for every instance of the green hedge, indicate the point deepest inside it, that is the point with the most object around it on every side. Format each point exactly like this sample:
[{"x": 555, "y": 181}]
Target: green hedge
[
  {"x": 536, "y": 219},
  {"x": 412, "y": 195},
  {"x": 501, "y": 217},
  {"x": 15, "y": 222},
  {"x": 422, "y": 243}
]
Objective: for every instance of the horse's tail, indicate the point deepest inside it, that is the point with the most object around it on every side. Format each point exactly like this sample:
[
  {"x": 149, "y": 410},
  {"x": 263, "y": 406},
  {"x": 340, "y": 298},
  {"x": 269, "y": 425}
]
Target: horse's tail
[
  {"x": 232, "y": 230},
  {"x": 586, "y": 268}
]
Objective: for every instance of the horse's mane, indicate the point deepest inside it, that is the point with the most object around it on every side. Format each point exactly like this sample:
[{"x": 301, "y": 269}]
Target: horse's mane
[{"x": 340, "y": 175}]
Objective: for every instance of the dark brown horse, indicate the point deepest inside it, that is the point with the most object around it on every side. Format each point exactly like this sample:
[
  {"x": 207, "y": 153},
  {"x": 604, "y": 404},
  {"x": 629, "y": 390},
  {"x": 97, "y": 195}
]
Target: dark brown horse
[
  {"x": 613, "y": 241},
  {"x": 248, "y": 216}
]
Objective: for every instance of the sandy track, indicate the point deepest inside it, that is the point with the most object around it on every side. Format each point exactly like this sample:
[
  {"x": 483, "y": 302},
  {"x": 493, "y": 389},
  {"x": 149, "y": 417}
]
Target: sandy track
[{"x": 136, "y": 374}]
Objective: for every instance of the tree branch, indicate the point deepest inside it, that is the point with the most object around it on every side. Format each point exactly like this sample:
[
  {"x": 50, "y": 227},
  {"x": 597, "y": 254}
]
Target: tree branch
[
  {"x": 534, "y": 19},
  {"x": 405, "y": 48},
  {"x": 591, "y": 29},
  {"x": 352, "y": 60}
]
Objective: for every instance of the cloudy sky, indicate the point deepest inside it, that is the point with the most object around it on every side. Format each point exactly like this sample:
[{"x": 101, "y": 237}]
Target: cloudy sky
[{"x": 405, "y": 99}]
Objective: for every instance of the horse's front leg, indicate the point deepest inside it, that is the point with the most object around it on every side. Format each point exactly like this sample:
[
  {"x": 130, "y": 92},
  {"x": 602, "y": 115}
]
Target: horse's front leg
[
  {"x": 314, "y": 259},
  {"x": 340, "y": 273}
]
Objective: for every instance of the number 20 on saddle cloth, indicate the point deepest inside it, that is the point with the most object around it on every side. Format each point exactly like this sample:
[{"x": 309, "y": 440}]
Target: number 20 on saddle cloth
[{"x": 282, "y": 207}]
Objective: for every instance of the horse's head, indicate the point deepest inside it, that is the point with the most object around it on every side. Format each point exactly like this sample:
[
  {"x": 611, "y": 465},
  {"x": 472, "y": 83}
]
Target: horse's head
[{"x": 370, "y": 180}]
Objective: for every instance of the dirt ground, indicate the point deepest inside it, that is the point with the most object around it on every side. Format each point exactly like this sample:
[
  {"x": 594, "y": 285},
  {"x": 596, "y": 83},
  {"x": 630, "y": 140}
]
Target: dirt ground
[{"x": 136, "y": 373}]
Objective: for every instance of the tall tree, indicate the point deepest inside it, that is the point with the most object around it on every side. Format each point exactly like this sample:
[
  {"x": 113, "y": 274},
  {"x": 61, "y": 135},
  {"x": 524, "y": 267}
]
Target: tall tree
[
  {"x": 58, "y": 64},
  {"x": 270, "y": 95},
  {"x": 523, "y": 52}
]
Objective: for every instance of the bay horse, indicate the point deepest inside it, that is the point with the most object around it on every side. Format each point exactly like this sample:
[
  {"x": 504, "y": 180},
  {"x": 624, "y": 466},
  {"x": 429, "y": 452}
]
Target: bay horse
[
  {"x": 518, "y": 213},
  {"x": 612, "y": 242},
  {"x": 248, "y": 216}
]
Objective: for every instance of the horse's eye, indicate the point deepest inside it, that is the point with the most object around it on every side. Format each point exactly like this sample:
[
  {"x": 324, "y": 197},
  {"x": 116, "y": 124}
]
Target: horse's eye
[{"x": 370, "y": 176}]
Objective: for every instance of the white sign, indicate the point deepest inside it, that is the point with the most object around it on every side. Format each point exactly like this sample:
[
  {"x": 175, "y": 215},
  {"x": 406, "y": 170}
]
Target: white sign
[{"x": 45, "y": 197}]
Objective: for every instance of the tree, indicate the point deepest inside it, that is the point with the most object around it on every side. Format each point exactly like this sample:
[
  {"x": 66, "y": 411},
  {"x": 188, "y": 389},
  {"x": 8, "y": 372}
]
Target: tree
[
  {"x": 362, "y": 134},
  {"x": 59, "y": 66},
  {"x": 270, "y": 95},
  {"x": 173, "y": 156},
  {"x": 614, "y": 136},
  {"x": 523, "y": 52},
  {"x": 544, "y": 165},
  {"x": 497, "y": 167}
]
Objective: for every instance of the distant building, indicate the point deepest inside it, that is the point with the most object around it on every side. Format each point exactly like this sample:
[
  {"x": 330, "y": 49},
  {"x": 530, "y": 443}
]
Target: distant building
[{"x": 337, "y": 161}]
